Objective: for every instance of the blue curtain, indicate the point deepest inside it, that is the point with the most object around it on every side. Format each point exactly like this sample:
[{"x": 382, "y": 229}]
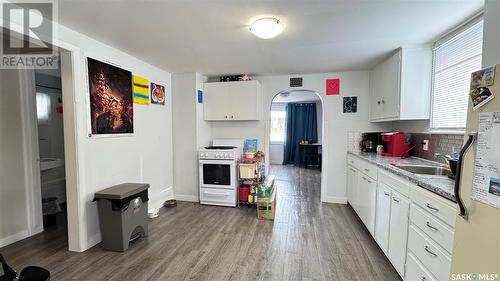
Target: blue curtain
[{"x": 301, "y": 124}]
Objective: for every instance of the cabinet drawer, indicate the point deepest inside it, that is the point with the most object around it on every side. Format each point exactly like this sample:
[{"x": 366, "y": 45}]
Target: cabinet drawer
[
  {"x": 353, "y": 161},
  {"x": 398, "y": 184},
  {"x": 368, "y": 169},
  {"x": 434, "y": 228},
  {"x": 435, "y": 205},
  {"x": 416, "y": 271},
  {"x": 432, "y": 256}
]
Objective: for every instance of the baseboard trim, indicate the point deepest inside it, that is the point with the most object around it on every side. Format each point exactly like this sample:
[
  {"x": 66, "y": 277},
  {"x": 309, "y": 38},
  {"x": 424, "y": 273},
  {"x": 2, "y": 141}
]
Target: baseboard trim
[
  {"x": 166, "y": 194},
  {"x": 336, "y": 200},
  {"x": 187, "y": 198},
  {"x": 14, "y": 238}
]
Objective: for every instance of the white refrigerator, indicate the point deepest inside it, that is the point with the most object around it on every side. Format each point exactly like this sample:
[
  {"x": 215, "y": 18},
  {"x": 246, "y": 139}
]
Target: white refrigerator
[{"x": 476, "y": 251}]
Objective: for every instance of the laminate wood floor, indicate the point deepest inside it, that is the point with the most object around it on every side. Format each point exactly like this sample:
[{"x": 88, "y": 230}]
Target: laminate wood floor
[{"x": 308, "y": 240}]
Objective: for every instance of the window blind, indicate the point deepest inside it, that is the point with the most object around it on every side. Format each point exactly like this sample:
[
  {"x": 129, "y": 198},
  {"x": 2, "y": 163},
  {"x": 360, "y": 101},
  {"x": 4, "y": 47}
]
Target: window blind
[{"x": 454, "y": 61}]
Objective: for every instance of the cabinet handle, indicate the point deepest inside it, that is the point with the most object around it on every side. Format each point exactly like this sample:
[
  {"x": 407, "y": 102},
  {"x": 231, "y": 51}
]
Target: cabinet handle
[
  {"x": 426, "y": 248},
  {"x": 423, "y": 278},
  {"x": 429, "y": 206},
  {"x": 429, "y": 225},
  {"x": 352, "y": 169},
  {"x": 378, "y": 102},
  {"x": 387, "y": 193},
  {"x": 232, "y": 116},
  {"x": 226, "y": 116},
  {"x": 383, "y": 101},
  {"x": 367, "y": 170},
  {"x": 395, "y": 199}
]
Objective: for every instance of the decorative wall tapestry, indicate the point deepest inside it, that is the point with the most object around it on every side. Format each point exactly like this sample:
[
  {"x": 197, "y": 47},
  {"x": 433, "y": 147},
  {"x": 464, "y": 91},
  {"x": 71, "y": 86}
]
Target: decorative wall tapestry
[
  {"x": 140, "y": 87},
  {"x": 157, "y": 94},
  {"x": 111, "y": 108}
]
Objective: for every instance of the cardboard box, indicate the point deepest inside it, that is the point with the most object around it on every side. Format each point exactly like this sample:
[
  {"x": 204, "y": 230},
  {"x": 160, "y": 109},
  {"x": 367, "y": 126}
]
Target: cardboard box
[{"x": 266, "y": 207}]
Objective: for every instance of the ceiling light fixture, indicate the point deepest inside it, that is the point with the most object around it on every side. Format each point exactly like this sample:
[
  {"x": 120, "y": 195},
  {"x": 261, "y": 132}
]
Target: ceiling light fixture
[{"x": 266, "y": 28}]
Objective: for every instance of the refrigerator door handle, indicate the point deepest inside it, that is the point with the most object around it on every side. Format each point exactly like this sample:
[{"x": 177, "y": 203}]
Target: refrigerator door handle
[{"x": 464, "y": 213}]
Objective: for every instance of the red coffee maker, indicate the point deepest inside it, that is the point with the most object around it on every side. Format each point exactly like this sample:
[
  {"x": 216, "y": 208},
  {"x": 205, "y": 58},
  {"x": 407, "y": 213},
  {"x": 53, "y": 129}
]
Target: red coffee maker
[{"x": 396, "y": 144}]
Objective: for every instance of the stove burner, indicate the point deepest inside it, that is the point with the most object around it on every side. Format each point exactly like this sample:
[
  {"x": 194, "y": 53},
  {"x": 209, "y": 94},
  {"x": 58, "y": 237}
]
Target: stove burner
[{"x": 220, "y": 147}]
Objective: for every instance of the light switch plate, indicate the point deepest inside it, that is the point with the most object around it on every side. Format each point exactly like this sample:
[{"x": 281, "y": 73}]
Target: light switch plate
[{"x": 425, "y": 145}]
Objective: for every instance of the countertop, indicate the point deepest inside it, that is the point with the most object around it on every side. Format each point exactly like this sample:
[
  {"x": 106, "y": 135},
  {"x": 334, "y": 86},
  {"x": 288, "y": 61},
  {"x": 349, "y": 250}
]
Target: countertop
[{"x": 440, "y": 185}]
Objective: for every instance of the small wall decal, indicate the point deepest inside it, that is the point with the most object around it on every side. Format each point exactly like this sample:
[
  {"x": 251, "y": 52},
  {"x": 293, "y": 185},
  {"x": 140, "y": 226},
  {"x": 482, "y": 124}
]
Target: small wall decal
[
  {"x": 350, "y": 104},
  {"x": 333, "y": 86}
]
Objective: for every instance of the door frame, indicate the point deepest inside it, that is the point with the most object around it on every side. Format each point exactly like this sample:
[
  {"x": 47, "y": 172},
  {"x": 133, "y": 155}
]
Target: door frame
[
  {"x": 324, "y": 140},
  {"x": 70, "y": 57}
]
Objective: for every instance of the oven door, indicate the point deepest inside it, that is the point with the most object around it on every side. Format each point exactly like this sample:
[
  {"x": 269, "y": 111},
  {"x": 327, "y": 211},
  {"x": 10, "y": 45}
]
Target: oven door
[{"x": 218, "y": 174}]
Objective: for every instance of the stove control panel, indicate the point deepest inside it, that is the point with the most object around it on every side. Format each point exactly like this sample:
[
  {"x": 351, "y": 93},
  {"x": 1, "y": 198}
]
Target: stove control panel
[{"x": 217, "y": 154}]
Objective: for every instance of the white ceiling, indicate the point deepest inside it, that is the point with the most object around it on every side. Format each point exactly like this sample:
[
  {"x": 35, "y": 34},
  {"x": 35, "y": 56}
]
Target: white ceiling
[
  {"x": 211, "y": 37},
  {"x": 296, "y": 96}
]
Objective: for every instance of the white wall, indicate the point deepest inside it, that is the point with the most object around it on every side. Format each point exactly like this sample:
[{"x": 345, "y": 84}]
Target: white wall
[
  {"x": 190, "y": 133},
  {"x": 337, "y": 124},
  {"x": 146, "y": 156}
]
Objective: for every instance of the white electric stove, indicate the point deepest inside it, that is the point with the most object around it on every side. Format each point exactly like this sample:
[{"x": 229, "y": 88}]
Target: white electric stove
[{"x": 218, "y": 172}]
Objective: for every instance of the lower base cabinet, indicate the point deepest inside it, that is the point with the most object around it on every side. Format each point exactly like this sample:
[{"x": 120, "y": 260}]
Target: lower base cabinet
[
  {"x": 383, "y": 216},
  {"x": 398, "y": 231}
]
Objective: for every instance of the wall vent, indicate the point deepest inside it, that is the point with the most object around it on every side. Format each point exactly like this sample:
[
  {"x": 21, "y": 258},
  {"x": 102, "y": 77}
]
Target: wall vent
[{"x": 295, "y": 82}]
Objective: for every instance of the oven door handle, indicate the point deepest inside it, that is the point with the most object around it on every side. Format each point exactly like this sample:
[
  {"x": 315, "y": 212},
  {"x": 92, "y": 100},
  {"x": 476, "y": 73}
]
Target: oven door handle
[{"x": 217, "y": 162}]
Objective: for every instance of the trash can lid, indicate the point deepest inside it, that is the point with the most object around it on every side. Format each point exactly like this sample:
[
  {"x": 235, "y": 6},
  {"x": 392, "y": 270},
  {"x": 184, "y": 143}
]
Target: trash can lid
[{"x": 121, "y": 191}]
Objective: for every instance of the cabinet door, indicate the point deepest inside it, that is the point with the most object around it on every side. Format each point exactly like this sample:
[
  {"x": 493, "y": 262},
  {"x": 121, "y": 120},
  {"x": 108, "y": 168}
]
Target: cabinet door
[
  {"x": 216, "y": 104},
  {"x": 375, "y": 93},
  {"x": 398, "y": 231},
  {"x": 245, "y": 100},
  {"x": 367, "y": 192},
  {"x": 391, "y": 87},
  {"x": 352, "y": 182},
  {"x": 382, "y": 218}
]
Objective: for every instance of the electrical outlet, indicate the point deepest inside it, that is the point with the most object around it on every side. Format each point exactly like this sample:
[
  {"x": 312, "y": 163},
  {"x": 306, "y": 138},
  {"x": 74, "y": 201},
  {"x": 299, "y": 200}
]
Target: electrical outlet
[{"x": 425, "y": 145}]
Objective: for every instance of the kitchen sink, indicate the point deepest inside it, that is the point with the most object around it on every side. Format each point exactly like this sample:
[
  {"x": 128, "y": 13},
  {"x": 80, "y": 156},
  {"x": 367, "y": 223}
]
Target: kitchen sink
[{"x": 425, "y": 170}]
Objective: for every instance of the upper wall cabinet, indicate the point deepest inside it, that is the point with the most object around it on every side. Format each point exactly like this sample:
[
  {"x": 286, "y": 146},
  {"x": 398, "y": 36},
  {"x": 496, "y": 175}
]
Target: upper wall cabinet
[
  {"x": 400, "y": 86},
  {"x": 239, "y": 100}
]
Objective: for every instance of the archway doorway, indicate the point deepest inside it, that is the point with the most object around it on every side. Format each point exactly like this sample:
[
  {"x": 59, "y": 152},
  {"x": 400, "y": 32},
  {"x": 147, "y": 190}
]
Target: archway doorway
[{"x": 295, "y": 139}]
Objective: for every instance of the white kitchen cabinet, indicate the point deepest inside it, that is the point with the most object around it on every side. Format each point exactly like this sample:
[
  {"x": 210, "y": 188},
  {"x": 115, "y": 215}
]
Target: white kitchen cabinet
[
  {"x": 352, "y": 186},
  {"x": 400, "y": 86},
  {"x": 367, "y": 193},
  {"x": 232, "y": 101},
  {"x": 383, "y": 216},
  {"x": 398, "y": 231}
]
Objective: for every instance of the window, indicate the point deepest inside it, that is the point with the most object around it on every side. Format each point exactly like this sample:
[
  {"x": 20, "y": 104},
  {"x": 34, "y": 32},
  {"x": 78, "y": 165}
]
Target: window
[
  {"x": 278, "y": 116},
  {"x": 455, "y": 58},
  {"x": 42, "y": 107}
]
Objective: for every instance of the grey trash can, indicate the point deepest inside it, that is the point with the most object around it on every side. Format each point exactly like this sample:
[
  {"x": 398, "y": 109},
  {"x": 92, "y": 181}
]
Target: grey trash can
[{"x": 123, "y": 214}]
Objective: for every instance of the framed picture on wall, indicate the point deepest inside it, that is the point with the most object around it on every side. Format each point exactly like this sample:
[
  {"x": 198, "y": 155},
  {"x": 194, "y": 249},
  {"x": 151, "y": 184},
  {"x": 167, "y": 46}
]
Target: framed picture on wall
[{"x": 111, "y": 104}]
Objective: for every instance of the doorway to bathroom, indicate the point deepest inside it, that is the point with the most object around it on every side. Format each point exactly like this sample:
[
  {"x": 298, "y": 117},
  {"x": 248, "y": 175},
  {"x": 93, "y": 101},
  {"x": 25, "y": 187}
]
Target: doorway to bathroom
[{"x": 50, "y": 132}]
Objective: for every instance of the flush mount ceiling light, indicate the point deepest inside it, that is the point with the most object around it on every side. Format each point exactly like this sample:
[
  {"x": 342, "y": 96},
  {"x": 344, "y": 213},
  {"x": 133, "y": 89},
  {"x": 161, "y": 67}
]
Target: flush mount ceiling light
[{"x": 266, "y": 28}]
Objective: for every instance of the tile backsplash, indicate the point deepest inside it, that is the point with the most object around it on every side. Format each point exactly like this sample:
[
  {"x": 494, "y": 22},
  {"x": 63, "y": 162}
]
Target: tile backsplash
[{"x": 438, "y": 143}]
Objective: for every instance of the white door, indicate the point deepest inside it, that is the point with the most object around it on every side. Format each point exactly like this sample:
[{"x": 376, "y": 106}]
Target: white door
[
  {"x": 398, "y": 233},
  {"x": 366, "y": 197},
  {"x": 352, "y": 185},
  {"x": 383, "y": 216}
]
